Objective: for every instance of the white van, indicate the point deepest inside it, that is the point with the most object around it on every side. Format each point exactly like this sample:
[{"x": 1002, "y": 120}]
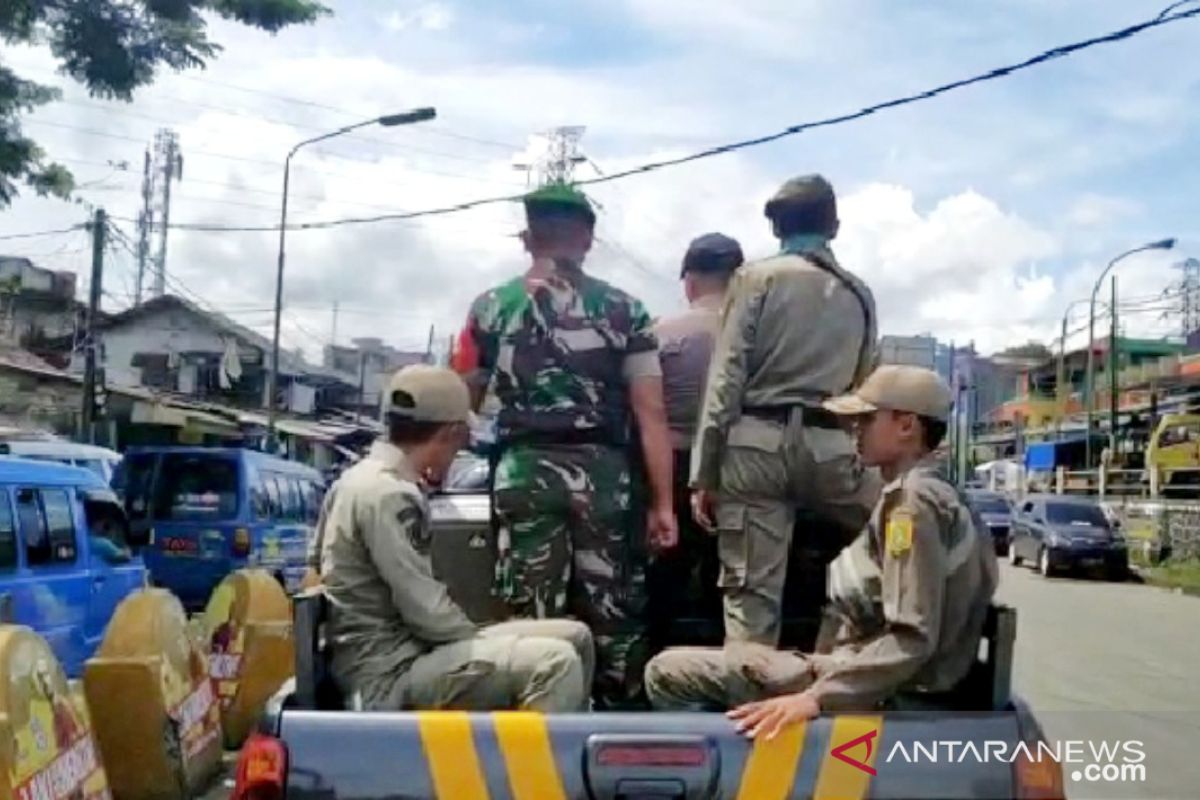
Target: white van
[{"x": 99, "y": 460}]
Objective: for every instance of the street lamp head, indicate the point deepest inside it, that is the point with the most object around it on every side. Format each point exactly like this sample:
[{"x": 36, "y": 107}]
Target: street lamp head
[
  {"x": 408, "y": 117},
  {"x": 1164, "y": 244}
]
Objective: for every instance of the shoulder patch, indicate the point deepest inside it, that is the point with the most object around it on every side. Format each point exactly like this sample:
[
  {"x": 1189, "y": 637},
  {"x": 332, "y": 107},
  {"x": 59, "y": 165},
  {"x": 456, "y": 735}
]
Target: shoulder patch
[
  {"x": 898, "y": 534},
  {"x": 412, "y": 520}
]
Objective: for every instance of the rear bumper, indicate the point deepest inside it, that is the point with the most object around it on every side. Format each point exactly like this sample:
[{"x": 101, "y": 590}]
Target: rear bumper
[
  {"x": 192, "y": 580},
  {"x": 1089, "y": 558}
]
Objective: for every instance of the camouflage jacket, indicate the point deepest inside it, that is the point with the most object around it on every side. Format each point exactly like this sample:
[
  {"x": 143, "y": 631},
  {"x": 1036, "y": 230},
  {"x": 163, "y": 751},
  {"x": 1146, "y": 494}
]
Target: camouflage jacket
[{"x": 556, "y": 348}]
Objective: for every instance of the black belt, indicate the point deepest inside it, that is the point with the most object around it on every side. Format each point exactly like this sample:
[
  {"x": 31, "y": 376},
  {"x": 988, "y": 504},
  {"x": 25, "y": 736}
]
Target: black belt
[{"x": 810, "y": 416}]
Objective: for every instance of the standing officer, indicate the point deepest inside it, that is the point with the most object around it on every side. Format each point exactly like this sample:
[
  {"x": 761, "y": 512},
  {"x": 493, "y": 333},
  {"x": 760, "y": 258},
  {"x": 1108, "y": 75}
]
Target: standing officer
[
  {"x": 685, "y": 345},
  {"x": 399, "y": 639},
  {"x": 798, "y": 329},
  {"x": 908, "y": 597},
  {"x": 566, "y": 356}
]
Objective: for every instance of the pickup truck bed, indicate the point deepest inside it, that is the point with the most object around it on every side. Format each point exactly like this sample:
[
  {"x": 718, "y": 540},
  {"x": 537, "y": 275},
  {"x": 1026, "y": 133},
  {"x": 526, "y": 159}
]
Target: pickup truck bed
[
  {"x": 322, "y": 751},
  {"x": 641, "y": 755}
]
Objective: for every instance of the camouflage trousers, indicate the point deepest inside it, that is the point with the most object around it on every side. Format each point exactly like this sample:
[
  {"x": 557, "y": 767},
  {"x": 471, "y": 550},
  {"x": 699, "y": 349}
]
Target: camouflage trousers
[{"x": 570, "y": 543}]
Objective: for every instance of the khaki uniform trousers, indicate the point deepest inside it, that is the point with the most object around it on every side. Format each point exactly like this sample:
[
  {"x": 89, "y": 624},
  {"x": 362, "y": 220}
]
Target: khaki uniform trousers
[
  {"x": 770, "y": 468},
  {"x": 536, "y": 665},
  {"x": 715, "y": 679}
]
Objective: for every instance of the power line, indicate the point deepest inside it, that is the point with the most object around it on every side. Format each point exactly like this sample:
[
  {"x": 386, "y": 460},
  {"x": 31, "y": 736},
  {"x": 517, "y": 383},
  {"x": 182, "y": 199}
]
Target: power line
[
  {"x": 262, "y": 162},
  {"x": 999, "y": 72},
  {"x": 11, "y": 236}
]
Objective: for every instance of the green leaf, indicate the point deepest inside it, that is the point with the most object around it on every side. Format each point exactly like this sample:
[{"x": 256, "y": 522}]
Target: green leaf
[{"x": 112, "y": 47}]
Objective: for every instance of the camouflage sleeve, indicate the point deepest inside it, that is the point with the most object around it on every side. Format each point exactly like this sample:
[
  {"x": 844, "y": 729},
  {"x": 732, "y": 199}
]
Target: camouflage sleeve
[
  {"x": 727, "y": 374},
  {"x": 914, "y": 578},
  {"x": 395, "y": 534},
  {"x": 641, "y": 345},
  {"x": 475, "y": 349}
]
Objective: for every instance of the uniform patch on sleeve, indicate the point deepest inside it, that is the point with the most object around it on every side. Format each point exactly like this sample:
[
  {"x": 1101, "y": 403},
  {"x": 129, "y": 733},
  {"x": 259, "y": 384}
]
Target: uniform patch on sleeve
[
  {"x": 898, "y": 534},
  {"x": 412, "y": 520}
]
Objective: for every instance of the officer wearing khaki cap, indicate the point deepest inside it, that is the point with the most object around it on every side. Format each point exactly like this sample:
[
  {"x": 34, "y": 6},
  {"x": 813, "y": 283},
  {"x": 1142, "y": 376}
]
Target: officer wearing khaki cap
[
  {"x": 399, "y": 639},
  {"x": 797, "y": 330},
  {"x": 908, "y": 598}
]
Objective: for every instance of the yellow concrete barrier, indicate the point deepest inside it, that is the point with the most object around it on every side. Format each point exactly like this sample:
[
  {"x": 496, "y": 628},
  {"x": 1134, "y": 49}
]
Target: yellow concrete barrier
[
  {"x": 47, "y": 745},
  {"x": 248, "y": 625},
  {"x": 156, "y": 717}
]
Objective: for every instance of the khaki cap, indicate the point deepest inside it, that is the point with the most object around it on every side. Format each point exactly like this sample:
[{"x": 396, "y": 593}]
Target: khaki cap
[
  {"x": 423, "y": 393},
  {"x": 898, "y": 388}
]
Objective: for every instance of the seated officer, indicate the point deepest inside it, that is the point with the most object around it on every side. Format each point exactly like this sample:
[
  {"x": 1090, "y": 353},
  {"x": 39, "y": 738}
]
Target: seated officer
[
  {"x": 399, "y": 640},
  {"x": 907, "y": 599}
]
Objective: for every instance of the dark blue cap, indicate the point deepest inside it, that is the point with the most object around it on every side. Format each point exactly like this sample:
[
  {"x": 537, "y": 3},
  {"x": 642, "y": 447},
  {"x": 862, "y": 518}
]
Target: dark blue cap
[{"x": 712, "y": 252}]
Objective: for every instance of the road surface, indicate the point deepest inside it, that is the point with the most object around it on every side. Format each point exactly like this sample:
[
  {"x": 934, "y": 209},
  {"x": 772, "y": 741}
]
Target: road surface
[{"x": 1112, "y": 662}]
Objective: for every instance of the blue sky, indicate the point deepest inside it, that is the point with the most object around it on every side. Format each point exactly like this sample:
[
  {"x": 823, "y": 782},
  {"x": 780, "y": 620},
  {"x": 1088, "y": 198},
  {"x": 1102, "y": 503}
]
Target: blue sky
[{"x": 975, "y": 216}]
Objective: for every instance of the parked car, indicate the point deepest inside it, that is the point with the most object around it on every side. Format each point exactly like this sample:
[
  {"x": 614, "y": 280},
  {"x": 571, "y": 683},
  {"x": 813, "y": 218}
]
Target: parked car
[
  {"x": 99, "y": 460},
  {"x": 1058, "y": 533},
  {"x": 65, "y": 561},
  {"x": 205, "y": 512},
  {"x": 996, "y": 512}
]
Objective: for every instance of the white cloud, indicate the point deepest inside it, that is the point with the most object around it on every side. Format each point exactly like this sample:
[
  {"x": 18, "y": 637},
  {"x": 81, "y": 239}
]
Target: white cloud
[
  {"x": 1093, "y": 210},
  {"x": 965, "y": 270},
  {"x": 426, "y": 17}
]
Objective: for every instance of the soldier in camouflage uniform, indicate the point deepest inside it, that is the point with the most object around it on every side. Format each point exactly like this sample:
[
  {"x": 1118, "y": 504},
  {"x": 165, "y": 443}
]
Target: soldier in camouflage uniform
[{"x": 565, "y": 356}]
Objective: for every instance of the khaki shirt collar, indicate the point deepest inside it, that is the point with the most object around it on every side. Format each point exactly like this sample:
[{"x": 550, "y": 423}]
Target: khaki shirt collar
[
  {"x": 393, "y": 460},
  {"x": 927, "y": 464}
]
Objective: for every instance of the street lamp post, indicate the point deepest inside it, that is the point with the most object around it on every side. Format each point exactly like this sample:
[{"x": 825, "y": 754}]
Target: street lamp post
[
  {"x": 389, "y": 121},
  {"x": 1061, "y": 378},
  {"x": 1164, "y": 244}
]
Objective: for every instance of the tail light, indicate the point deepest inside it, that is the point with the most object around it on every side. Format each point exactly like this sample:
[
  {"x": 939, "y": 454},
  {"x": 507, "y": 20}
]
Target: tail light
[
  {"x": 241, "y": 542},
  {"x": 652, "y": 755},
  {"x": 1038, "y": 776},
  {"x": 261, "y": 769}
]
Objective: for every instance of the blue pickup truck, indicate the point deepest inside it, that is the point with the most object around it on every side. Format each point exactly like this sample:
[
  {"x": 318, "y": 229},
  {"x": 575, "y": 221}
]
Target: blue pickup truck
[
  {"x": 310, "y": 746},
  {"x": 65, "y": 563}
]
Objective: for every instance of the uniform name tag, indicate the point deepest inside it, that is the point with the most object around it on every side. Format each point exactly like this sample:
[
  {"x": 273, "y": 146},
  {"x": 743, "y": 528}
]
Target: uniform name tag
[{"x": 899, "y": 532}]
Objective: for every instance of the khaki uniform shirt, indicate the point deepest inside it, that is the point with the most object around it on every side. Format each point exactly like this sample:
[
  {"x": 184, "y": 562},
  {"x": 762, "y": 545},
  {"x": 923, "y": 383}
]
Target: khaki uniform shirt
[
  {"x": 908, "y": 599},
  {"x": 685, "y": 346},
  {"x": 387, "y": 606},
  {"x": 793, "y": 333}
]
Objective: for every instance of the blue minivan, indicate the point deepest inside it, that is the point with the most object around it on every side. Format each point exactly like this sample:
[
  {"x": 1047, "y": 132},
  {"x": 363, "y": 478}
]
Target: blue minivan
[
  {"x": 65, "y": 561},
  {"x": 205, "y": 512}
]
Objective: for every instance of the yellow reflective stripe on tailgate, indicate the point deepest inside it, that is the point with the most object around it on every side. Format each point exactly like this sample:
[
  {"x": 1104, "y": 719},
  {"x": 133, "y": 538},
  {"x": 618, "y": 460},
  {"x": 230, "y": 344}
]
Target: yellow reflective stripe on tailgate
[
  {"x": 525, "y": 744},
  {"x": 450, "y": 753},
  {"x": 850, "y": 762},
  {"x": 771, "y": 767}
]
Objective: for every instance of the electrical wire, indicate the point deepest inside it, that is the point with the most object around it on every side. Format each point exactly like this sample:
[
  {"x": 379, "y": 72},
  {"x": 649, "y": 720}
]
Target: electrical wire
[
  {"x": 12, "y": 236},
  {"x": 1061, "y": 51}
]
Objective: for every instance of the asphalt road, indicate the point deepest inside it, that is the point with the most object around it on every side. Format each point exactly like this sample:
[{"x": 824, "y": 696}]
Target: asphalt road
[{"x": 1115, "y": 662}]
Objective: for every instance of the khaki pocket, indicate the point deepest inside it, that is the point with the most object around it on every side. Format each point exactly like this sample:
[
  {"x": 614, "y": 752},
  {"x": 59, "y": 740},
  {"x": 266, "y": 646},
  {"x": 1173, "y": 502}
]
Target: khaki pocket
[
  {"x": 733, "y": 545},
  {"x": 757, "y": 434},
  {"x": 828, "y": 444}
]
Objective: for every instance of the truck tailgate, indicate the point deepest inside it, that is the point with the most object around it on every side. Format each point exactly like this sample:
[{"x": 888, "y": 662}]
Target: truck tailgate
[{"x": 524, "y": 756}]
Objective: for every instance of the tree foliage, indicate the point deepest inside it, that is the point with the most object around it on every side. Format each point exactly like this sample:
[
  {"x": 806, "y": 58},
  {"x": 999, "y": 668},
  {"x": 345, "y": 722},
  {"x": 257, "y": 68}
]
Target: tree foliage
[
  {"x": 112, "y": 47},
  {"x": 1029, "y": 350}
]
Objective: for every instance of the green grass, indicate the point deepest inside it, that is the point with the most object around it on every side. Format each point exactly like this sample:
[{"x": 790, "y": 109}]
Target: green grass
[{"x": 1183, "y": 575}]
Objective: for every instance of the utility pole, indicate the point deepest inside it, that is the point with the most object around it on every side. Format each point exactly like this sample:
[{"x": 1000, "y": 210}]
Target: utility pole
[
  {"x": 172, "y": 167},
  {"x": 552, "y": 155},
  {"x": 99, "y": 228},
  {"x": 362, "y": 381},
  {"x": 1114, "y": 361},
  {"x": 1189, "y": 302},
  {"x": 333, "y": 331},
  {"x": 429, "y": 347},
  {"x": 145, "y": 225},
  {"x": 954, "y": 412}
]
